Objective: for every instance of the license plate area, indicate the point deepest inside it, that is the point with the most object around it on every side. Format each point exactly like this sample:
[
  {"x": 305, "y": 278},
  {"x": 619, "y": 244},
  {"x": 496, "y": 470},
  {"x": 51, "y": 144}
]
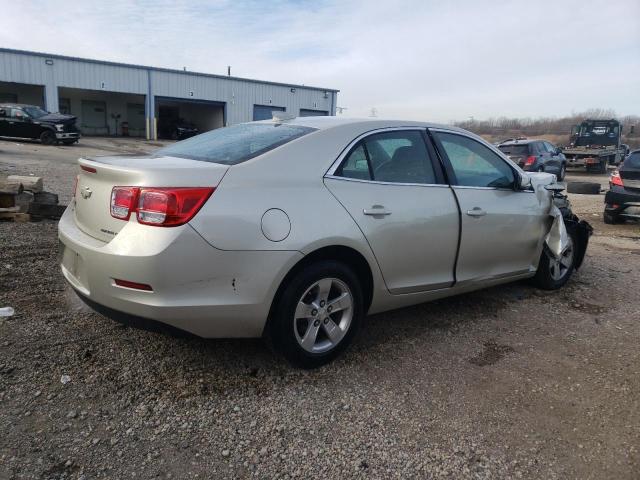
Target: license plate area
[{"x": 70, "y": 260}]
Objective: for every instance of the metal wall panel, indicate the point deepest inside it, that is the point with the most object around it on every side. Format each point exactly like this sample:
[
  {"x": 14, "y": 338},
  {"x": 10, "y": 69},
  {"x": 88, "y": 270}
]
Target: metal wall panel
[{"x": 238, "y": 95}]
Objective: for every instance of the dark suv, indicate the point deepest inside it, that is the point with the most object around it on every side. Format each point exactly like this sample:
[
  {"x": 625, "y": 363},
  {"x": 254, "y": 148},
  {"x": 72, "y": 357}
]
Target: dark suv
[
  {"x": 536, "y": 156},
  {"x": 623, "y": 198},
  {"x": 29, "y": 121}
]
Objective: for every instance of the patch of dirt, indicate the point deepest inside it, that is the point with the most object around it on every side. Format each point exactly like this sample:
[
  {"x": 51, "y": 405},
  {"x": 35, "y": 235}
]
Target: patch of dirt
[{"x": 491, "y": 354}]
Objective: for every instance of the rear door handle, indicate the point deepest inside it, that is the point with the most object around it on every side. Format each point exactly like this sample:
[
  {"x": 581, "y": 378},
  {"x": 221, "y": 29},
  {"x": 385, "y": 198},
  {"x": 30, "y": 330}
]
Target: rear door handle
[
  {"x": 476, "y": 212},
  {"x": 376, "y": 210}
]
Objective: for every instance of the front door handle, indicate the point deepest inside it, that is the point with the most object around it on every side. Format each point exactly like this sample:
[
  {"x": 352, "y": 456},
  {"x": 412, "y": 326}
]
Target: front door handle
[
  {"x": 476, "y": 212},
  {"x": 376, "y": 210}
]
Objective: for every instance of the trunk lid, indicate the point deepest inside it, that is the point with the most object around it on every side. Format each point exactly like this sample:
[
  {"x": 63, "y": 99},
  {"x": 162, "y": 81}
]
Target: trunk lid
[{"x": 93, "y": 192}]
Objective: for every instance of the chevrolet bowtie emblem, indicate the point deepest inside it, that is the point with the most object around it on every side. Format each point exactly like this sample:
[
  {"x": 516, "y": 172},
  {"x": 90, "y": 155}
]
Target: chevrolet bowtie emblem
[{"x": 86, "y": 192}]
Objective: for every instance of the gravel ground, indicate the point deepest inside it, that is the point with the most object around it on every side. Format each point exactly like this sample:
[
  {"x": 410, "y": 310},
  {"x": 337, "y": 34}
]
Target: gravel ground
[{"x": 509, "y": 382}]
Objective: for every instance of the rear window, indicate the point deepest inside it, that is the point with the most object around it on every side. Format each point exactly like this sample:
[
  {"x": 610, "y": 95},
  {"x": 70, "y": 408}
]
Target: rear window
[
  {"x": 514, "y": 149},
  {"x": 633, "y": 160},
  {"x": 235, "y": 144}
]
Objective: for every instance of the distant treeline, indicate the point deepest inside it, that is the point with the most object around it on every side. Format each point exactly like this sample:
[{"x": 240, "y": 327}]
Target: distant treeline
[{"x": 533, "y": 127}]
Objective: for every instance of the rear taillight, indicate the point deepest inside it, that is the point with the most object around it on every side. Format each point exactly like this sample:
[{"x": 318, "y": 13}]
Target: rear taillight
[
  {"x": 616, "y": 179},
  {"x": 123, "y": 202},
  {"x": 162, "y": 207},
  {"x": 530, "y": 160}
]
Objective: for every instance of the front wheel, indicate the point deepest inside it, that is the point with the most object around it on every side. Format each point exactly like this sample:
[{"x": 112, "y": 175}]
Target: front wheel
[
  {"x": 554, "y": 272},
  {"x": 317, "y": 315},
  {"x": 47, "y": 137}
]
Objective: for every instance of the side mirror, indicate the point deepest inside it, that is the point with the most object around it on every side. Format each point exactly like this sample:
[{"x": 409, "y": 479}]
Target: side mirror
[{"x": 523, "y": 182}]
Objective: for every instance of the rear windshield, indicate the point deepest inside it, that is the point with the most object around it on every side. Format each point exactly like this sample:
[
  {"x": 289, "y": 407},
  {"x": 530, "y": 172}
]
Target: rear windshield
[
  {"x": 633, "y": 161},
  {"x": 514, "y": 149},
  {"x": 235, "y": 144}
]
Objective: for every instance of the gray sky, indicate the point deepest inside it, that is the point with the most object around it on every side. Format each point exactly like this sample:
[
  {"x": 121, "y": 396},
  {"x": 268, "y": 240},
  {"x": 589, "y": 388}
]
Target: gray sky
[{"x": 432, "y": 60}]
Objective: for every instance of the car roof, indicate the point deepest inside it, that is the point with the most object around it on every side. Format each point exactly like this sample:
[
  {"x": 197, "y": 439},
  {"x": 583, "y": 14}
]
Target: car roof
[
  {"x": 519, "y": 142},
  {"x": 326, "y": 122},
  {"x": 17, "y": 105}
]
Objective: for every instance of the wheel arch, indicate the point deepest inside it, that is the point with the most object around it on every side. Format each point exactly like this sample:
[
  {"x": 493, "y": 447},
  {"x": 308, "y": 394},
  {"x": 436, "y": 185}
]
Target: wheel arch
[{"x": 347, "y": 255}]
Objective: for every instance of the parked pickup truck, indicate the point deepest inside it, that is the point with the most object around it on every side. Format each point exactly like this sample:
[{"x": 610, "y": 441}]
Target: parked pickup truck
[
  {"x": 595, "y": 144},
  {"x": 30, "y": 121}
]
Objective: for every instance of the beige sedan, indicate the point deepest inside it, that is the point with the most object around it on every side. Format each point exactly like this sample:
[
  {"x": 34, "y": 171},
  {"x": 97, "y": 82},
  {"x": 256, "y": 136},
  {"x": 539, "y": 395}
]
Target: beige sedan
[{"x": 296, "y": 229}]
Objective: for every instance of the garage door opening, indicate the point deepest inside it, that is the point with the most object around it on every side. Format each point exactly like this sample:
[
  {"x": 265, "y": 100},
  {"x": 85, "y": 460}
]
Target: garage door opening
[
  {"x": 104, "y": 113},
  {"x": 265, "y": 112},
  {"x": 177, "y": 119},
  {"x": 305, "y": 112},
  {"x": 22, "y": 93}
]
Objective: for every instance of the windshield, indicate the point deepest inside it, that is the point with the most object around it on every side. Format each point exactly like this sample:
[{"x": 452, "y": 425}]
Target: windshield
[
  {"x": 598, "y": 133},
  {"x": 514, "y": 149},
  {"x": 235, "y": 144},
  {"x": 633, "y": 161},
  {"x": 35, "y": 112}
]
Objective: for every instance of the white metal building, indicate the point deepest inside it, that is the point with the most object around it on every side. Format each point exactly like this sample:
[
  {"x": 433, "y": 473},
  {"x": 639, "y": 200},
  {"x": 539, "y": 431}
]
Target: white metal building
[{"x": 104, "y": 95}]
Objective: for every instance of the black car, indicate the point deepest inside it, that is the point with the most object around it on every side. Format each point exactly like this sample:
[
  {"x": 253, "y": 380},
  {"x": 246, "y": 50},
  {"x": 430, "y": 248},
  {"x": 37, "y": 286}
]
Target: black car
[
  {"x": 623, "y": 198},
  {"x": 536, "y": 156},
  {"x": 29, "y": 121},
  {"x": 176, "y": 129}
]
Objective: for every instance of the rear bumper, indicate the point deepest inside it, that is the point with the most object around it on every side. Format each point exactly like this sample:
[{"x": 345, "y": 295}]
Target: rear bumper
[
  {"x": 619, "y": 201},
  {"x": 196, "y": 287}
]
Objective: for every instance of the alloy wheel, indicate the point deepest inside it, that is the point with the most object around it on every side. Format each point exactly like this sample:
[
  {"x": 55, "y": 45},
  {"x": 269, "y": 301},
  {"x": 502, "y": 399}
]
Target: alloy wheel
[
  {"x": 323, "y": 315},
  {"x": 559, "y": 267}
]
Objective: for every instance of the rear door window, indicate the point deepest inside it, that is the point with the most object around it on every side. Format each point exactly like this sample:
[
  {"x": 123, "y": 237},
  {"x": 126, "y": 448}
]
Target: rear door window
[
  {"x": 356, "y": 165},
  {"x": 235, "y": 144},
  {"x": 392, "y": 157}
]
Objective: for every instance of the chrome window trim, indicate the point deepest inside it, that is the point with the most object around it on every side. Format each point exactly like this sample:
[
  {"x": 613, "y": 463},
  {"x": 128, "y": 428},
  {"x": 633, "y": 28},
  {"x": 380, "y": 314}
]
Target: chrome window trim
[
  {"x": 334, "y": 166},
  {"x": 377, "y": 182}
]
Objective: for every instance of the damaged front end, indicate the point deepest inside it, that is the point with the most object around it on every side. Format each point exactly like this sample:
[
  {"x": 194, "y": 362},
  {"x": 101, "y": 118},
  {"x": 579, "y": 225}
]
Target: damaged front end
[{"x": 566, "y": 223}]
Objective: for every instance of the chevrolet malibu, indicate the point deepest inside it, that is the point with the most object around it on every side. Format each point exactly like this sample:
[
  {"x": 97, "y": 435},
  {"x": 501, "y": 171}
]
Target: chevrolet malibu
[{"x": 295, "y": 229}]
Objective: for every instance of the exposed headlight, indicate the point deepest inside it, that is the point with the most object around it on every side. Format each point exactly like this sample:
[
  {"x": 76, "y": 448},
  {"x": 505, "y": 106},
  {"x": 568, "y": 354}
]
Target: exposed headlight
[{"x": 60, "y": 127}]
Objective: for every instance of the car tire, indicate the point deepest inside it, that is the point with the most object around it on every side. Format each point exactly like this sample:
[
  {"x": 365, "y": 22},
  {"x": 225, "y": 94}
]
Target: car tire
[
  {"x": 553, "y": 274},
  {"x": 303, "y": 327},
  {"x": 562, "y": 173},
  {"x": 48, "y": 137},
  {"x": 610, "y": 218},
  {"x": 602, "y": 168},
  {"x": 585, "y": 188}
]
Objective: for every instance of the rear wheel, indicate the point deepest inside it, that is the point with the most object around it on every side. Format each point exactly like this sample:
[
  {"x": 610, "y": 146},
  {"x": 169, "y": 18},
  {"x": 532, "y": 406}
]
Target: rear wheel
[
  {"x": 47, "y": 137},
  {"x": 554, "y": 272},
  {"x": 562, "y": 173},
  {"x": 317, "y": 315},
  {"x": 610, "y": 218},
  {"x": 602, "y": 168}
]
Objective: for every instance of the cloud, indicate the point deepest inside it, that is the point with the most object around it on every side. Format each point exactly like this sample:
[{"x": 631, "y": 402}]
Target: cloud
[{"x": 408, "y": 59}]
